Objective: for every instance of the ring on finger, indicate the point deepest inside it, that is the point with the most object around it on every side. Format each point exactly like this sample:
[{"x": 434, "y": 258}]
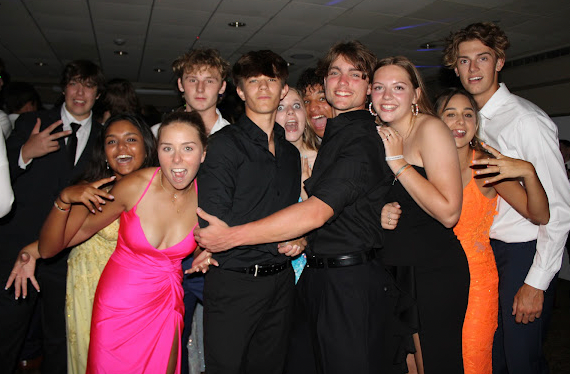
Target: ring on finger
[
  {"x": 209, "y": 262},
  {"x": 389, "y": 221}
]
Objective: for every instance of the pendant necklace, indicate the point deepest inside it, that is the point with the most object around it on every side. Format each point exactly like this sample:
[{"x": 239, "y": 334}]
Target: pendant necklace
[{"x": 174, "y": 194}]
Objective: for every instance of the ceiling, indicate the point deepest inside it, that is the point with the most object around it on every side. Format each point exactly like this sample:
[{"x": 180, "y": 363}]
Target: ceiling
[{"x": 155, "y": 32}]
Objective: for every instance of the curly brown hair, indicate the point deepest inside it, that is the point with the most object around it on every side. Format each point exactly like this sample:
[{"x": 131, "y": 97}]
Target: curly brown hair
[
  {"x": 486, "y": 32},
  {"x": 198, "y": 58}
]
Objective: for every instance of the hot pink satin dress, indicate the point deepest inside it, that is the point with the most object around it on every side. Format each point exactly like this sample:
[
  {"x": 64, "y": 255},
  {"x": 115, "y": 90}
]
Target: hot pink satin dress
[{"x": 138, "y": 304}]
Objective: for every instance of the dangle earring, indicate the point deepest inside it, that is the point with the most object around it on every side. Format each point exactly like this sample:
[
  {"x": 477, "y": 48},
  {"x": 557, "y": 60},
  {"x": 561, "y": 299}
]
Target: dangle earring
[
  {"x": 107, "y": 163},
  {"x": 415, "y": 109},
  {"x": 371, "y": 110}
]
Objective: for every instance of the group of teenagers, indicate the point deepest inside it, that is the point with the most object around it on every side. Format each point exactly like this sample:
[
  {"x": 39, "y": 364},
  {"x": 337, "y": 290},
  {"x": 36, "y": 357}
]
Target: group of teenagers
[{"x": 343, "y": 226}]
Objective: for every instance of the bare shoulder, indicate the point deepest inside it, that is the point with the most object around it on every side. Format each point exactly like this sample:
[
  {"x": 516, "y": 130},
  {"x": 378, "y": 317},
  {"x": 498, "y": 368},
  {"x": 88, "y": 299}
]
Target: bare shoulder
[
  {"x": 129, "y": 189},
  {"x": 428, "y": 126}
]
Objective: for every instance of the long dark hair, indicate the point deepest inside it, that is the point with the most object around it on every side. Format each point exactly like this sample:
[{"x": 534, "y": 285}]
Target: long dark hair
[{"x": 97, "y": 168}]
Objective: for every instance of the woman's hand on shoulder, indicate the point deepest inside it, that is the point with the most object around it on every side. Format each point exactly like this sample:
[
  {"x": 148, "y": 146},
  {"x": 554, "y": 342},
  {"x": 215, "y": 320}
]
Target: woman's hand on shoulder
[{"x": 503, "y": 166}]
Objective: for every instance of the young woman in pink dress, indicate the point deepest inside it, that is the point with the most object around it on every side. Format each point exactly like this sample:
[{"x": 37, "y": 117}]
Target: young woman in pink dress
[{"x": 138, "y": 309}]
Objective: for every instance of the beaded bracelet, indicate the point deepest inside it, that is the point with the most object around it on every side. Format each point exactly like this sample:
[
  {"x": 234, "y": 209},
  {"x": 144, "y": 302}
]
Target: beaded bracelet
[
  {"x": 392, "y": 158},
  {"x": 55, "y": 204},
  {"x": 400, "y": 172}
]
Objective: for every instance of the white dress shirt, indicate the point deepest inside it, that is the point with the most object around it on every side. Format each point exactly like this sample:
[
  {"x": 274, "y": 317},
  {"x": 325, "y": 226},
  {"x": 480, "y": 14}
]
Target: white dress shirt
[
  {"x": 82, "y": 134},
  {"x": 5, "y": 124},
  {"x": 520, "y": 129},
  {"x": 6, "y": 193},
  {"x": 220, "y": 123}
]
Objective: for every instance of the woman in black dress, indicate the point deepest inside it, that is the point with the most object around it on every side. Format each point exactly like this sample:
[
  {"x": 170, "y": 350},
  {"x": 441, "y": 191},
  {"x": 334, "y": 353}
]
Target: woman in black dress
[{"x": 423, "y": 253}]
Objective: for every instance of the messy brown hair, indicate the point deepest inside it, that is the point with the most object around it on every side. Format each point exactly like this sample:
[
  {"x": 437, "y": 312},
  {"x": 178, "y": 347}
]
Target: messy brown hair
[
  {"x": 487, "y": 33},
  {"x": 200, "y": 58},
  {"x": 354, "y": 52}
]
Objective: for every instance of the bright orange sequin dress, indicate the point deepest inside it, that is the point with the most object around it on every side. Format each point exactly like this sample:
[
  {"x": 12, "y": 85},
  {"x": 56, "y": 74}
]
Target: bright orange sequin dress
[{"x": 472, "y": 230}]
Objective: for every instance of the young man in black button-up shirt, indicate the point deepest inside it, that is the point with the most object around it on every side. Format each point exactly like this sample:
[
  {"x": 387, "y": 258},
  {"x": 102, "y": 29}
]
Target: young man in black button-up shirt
[
  {"x": 345, "y": 289},
  {"x": 250, "y": 172}
]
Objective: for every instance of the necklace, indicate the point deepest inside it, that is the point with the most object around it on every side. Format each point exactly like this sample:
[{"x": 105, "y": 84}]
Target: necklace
[{"x": 174, "y": 194}]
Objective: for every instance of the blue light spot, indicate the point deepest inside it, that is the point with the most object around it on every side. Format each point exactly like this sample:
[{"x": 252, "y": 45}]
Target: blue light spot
[
  {"x": 413, "y": 26},
  {"x": 334, "y": 2}
]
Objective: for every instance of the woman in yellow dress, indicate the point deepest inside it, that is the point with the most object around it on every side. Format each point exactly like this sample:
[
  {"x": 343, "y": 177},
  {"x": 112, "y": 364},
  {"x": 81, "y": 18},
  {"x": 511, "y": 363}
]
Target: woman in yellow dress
[{"x": 125, "y": 145}]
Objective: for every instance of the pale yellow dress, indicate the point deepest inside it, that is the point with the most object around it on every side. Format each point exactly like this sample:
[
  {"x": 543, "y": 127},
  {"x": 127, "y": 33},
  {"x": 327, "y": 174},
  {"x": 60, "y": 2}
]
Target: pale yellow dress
[{"x": 84, "y": 267}]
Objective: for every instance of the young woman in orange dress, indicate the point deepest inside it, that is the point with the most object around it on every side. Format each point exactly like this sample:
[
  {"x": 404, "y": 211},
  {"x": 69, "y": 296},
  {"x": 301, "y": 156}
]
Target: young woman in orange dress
[{"x": 485, "y": 173}]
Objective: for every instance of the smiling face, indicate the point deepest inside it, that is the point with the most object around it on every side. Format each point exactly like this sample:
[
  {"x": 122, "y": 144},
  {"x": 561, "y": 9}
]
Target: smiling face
[
  {"x": 201, "y": 88},
  {"x": 393, "y": 94},
  {"x": 180, "y": 153},
  {"x": 124, "y": 148},
  {"x": 318, "y": 109},
  {"x": 461, "y": 118},
  {"x": 344, "y": 87},
  {"x": 478, "y": 69},
  {"x": 80, "y": 96},
  {"x": 261, "y": 94},
  {"x": 292, "y": 116}
]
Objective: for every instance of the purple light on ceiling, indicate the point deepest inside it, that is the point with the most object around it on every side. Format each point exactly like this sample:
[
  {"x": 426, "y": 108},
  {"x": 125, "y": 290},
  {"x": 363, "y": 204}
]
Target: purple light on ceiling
[
  {"x": 429, "y": 49},
  {"x": 333, "y": 2},
  {"x": 413, "y": 26}
]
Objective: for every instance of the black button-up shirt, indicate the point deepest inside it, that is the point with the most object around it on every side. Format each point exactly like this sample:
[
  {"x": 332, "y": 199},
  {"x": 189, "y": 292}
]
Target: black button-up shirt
[
  {"x": 352, "y": 177},
  {"x": 241, "y": 181}
]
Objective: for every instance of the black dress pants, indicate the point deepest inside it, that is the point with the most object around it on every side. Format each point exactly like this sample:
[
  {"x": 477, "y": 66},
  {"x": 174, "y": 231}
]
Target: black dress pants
[
  {"x": 15, "y": 316},
  {"x": 247, "y": 321},
  {"x": 348, "y": 310}
]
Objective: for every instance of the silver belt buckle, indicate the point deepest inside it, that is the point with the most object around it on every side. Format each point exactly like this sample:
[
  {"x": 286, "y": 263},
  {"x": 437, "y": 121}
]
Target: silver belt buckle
[{"x": 256, "y": 268}]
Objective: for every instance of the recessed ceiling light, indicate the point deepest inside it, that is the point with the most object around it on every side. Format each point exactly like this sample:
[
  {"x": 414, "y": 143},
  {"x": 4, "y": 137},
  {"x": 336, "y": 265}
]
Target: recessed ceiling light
[
  {"x": 41, "y": 63},
  {"x": 302, "y": 56},
  {"x": 236, "y": 24},
  {"x": 429, "y": 46},
  {"x": 159, "y": 70},
  {"x": 121, "y": 53},
  {"x": 290, "y": 63}
]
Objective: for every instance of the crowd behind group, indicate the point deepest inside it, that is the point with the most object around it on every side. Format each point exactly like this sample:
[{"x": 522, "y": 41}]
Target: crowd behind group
[{"x": 344, "y": 225}]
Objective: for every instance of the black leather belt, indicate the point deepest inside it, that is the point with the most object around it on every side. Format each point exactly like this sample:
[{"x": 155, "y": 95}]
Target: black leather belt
[
  {"x": 262, "y": 270},
  {"x": 341, "y": 260}
]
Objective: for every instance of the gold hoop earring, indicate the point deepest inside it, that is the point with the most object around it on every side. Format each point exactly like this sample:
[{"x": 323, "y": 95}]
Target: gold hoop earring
[
  {"x": 415, "y": 109},
  {"x": 371, "y": 110}
]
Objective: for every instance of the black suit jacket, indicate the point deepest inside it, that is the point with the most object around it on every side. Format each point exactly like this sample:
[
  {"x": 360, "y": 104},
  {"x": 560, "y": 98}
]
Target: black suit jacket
[{"x": 36, "y": 187}]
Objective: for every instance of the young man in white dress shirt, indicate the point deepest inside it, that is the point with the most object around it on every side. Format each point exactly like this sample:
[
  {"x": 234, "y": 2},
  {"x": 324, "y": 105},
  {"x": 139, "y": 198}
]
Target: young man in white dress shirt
[
  {"x": 46, "y": 151},
  {"x": 528, "y": 256},
  {"x": 202, "y": 77}
]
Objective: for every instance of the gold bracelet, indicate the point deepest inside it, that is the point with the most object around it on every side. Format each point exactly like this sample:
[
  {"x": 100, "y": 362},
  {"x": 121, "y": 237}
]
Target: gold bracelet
[{"x": 55, "y": 204}]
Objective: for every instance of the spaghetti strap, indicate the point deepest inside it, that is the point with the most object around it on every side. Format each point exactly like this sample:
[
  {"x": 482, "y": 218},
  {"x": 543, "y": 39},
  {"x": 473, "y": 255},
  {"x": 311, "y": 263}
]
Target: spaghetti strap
[
  {"x": 149, "y": 183},
  {"x": 472, "y": 169}
]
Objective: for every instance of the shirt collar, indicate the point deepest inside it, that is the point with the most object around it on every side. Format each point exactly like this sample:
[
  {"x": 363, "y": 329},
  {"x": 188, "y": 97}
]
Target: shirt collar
[
  {"x": 256, "y": 133},
  {"x": 337, "y": 123},
  {"x": 67, "y": 119},
  {"x": 220, "y": 122},
  {"x": 496, "y": 102}
]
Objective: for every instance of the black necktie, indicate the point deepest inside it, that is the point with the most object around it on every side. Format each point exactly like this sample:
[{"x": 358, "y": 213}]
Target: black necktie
[{"x": 72, "y": 143}]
